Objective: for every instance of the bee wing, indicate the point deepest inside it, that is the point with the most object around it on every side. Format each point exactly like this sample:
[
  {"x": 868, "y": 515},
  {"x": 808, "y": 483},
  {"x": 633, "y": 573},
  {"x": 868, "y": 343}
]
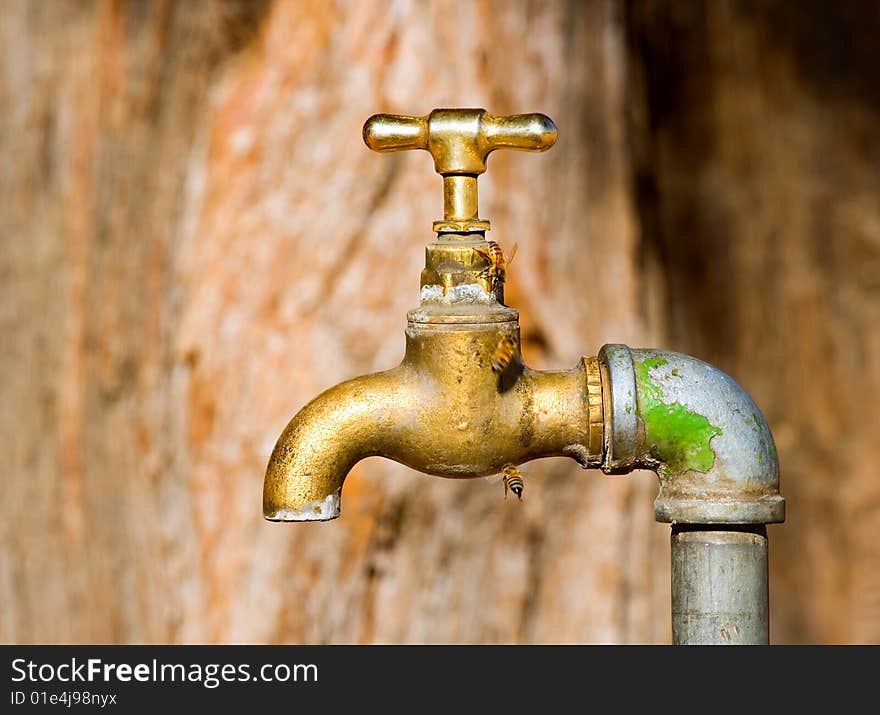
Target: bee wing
[{"x": 512, "y": 254}]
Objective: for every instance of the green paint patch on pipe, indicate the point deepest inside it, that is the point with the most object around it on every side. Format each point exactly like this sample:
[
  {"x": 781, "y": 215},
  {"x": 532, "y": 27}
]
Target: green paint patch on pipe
[{"x": 676, "y": 436}]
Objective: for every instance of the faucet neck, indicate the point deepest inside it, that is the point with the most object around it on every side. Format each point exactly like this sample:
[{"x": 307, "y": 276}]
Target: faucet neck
[
  {"x": 464, "y": 275},
  {"x": 457, "y": 259}
]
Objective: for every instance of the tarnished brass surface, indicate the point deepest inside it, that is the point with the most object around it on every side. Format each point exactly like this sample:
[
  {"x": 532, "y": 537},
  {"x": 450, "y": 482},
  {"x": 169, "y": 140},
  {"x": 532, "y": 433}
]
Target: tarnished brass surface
[
  {"x": 462, "y": 403},
  {"x": 457, "y": 262},
  {"x": 442, "y": 411},
  {"x": 460, "y": 140},
  {"x": 596, "y": 428}
]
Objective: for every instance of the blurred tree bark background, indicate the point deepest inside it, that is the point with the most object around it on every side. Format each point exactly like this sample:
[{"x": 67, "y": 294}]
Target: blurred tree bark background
[{"x": 195, "y": 242}]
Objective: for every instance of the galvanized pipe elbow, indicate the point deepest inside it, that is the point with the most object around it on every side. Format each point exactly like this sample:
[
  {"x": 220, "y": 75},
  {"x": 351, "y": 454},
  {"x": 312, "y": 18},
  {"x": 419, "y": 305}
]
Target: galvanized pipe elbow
[{"x": 697, "y": 429}]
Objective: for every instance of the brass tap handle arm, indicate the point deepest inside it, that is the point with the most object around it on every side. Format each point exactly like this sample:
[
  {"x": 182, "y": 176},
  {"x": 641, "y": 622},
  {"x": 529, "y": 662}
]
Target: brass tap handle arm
[{"x": 459, "y": 140}]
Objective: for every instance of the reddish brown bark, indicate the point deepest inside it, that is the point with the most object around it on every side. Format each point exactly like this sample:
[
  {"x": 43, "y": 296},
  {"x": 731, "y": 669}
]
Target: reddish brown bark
[{"x": 196, "y": 242}]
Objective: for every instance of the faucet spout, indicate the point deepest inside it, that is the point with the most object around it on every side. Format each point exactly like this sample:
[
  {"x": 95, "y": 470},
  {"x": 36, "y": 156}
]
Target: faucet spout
[
  {"x": 446, "y": 410},
  {"x": 324, "y": 440}
]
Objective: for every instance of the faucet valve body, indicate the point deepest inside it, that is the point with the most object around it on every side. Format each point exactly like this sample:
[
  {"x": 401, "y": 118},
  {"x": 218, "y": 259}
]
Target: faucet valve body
[
  {"x": 448, "y": 410},
  {"x": 464, "y": 404}
]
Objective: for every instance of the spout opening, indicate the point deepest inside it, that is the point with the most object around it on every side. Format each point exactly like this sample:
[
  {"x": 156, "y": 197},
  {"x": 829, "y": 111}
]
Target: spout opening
[{"x": 325, "y": 509}]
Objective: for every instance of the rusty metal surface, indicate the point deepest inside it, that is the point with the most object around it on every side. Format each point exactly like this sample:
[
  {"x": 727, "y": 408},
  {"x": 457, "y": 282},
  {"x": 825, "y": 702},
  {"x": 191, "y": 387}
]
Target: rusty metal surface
[{"x": 719, "y": 586}]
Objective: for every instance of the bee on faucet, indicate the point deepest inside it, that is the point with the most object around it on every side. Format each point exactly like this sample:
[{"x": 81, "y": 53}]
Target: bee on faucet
[
  {"x": 496, "y": 271},
  {"x": 504, "y": 352}
]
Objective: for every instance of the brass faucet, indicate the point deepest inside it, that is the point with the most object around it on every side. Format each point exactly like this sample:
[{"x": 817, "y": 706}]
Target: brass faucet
[{"x": 462, "y": 404}]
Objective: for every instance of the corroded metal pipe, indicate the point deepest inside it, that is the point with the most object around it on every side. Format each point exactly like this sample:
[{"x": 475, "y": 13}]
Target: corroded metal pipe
[
  {"x": 719, "y": 585},
  {"x": 697, "y": 429}
]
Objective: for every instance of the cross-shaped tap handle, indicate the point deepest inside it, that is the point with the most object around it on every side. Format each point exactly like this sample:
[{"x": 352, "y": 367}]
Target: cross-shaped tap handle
[{"x": 460, "y": 140}]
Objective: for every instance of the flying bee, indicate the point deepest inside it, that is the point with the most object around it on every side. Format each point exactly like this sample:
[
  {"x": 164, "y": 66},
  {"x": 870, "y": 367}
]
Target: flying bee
[
  {"x": 504, "y": 353},
  {"x": 496, "y": 271},
  {"x": 513, "y": 480}
]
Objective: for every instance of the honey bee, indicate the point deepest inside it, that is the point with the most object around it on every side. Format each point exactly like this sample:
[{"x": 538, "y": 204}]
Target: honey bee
[
  {"x": 504, "y": 353},
  {"x": 513, "y": 481},
  {"x": 497, "y": 269}
]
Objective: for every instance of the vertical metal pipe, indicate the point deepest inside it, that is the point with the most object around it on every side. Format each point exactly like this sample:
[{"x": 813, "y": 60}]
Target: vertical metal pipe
[{"x": 719, "y": 585}]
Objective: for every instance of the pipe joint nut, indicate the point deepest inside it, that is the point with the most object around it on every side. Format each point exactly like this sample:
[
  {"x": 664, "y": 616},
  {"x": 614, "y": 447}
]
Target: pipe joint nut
[{"x": 621, "y": 440}]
